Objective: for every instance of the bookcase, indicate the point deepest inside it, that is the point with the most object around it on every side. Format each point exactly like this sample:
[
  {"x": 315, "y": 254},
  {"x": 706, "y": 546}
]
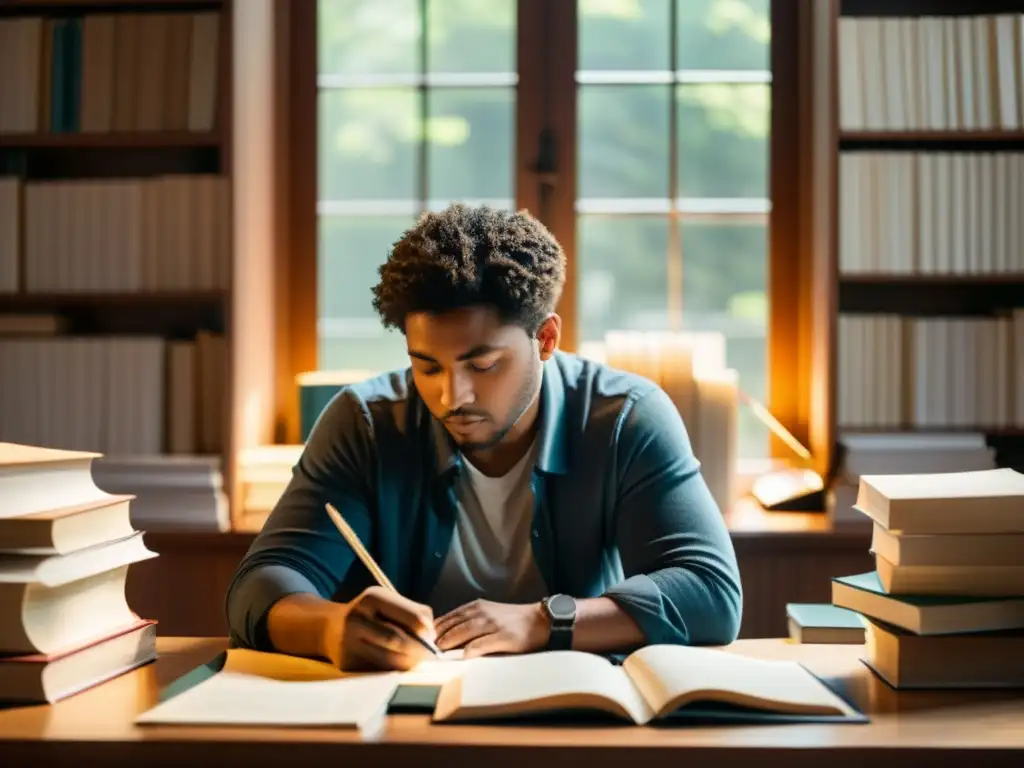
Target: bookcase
[
  {"x": 926, "y": 236},
  {"x": 116, "y": 226}
]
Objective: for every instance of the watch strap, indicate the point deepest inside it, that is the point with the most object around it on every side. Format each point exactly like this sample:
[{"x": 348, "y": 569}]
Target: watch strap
[
  {"x": 561, "y": 630},
  {"x": 560, "y": 638}
]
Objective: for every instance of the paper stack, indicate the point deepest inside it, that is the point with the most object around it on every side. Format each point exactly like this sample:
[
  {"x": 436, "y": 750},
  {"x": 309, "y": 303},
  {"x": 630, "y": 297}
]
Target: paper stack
[
  {"x": 65, "y": 550},
  {"x": 945, "y": 603}
]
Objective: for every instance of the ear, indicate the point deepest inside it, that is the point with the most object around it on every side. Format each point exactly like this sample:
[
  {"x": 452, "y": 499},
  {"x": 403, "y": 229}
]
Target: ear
[{"x": 548, "y": 335}]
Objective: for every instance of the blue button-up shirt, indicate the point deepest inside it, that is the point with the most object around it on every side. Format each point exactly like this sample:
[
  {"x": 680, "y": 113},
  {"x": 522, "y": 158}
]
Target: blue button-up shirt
[{"x": 620, "y": 507}]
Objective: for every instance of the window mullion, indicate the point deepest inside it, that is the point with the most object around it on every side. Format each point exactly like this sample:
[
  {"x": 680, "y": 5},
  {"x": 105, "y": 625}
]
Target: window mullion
[
  {"x": 674, "y": 255},
  {"x": 422, "y": 149},
  {"x": 546, "y": 131}
]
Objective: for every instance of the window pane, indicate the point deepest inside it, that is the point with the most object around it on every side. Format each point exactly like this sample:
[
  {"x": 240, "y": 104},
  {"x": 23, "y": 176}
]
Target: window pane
[
  {"x": 724, "y": 281},
  {"x": 352, "y": 248},
  {"x": 471, "y": 35},
  {"x": 723, "y": 34},
  {"x": 470, "y": 133},
  {"x": 622, "y": 274},
  {"x": 623, "y": 141},
  {"x": 368, "y": 36},
  {"x": 368, "y": 144},
  {"x": 723, "y": 140},
  {"x": 624, "y": 34}
]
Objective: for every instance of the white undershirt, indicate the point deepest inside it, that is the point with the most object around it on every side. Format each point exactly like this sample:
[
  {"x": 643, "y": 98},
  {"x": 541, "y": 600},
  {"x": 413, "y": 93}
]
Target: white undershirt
[{"x": 491, "y": 556}]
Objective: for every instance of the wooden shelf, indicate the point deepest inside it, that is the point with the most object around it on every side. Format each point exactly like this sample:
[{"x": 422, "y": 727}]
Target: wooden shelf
[
  {"x": 13, "y": 302},
  {"x": 926, "y": 7},
  {"x": 931, "y": 140},
  {"x": 993, "y": 432},
  {"x": 39, "y": 6},
  {"x": 114, "y": 139},
  {"x": 172, "y": 315},
  {"x": 882, "y": 278},
  {"x": 930, "y": 294}
]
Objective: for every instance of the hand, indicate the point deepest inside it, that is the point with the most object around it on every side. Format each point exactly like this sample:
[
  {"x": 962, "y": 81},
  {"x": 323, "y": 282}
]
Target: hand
[
  {"x": 373, "y": 632},
  {"x": 483, "y": 627}
]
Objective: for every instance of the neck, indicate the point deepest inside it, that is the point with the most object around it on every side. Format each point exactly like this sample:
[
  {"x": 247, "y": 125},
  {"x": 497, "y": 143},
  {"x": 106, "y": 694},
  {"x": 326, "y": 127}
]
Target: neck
[{"x": 499, "y": 459}]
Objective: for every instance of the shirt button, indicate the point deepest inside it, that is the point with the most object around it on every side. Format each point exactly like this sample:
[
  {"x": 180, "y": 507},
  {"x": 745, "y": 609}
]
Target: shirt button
[
  {"x": 437, "y": 555},
  {"x": 536, "y": 533}
]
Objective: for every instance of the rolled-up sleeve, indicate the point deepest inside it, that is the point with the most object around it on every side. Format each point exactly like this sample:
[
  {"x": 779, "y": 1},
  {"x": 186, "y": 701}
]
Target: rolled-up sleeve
[
  {"x": 299, "y": 549},
  {"x": 682, "y": 582}
]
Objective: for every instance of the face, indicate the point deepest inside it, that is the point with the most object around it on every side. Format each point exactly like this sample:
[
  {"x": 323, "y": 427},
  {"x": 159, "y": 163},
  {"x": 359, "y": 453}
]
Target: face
[{"x": 477, "y": 375}]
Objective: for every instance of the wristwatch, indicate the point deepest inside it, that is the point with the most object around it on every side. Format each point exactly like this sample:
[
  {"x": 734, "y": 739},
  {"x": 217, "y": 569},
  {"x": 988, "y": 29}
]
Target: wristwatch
[{"x": 561, "y": 610}]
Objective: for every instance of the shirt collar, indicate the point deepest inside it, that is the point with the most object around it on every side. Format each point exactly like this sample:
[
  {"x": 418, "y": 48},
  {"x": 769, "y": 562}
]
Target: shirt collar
[{"x": 551, "y": 453}]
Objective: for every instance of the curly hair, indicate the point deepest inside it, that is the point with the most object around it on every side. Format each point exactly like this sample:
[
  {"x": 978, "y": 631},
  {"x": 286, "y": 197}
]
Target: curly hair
[{"x": 464, "y": 256}]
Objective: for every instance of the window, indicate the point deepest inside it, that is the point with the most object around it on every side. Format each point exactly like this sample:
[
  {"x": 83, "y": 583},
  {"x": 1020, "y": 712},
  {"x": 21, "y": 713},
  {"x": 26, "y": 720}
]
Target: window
[
  {"x": 420, "y": 102},
  {"x": 416, "y": 103},
  {"x": 672, "y": 184}
]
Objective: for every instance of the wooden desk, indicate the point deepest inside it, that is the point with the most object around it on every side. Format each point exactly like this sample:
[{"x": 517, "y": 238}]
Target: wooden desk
[{"x": 908, "y": 729}]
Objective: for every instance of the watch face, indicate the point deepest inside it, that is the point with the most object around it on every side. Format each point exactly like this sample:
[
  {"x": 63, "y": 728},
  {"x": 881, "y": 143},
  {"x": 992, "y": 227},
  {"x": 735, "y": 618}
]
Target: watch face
[{"x": 562, "y": 607}]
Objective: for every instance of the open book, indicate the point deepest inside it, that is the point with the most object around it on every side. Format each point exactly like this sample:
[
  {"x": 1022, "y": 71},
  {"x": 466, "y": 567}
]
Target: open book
[{"x": 657, "y": 682}]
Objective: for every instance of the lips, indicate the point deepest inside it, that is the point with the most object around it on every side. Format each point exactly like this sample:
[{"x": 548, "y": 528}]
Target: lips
[{"x": 463, "y": 424}]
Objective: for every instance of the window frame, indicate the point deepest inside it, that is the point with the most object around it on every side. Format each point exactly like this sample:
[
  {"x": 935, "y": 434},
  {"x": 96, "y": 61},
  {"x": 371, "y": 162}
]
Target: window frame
[{"x": 546, "y": 108}]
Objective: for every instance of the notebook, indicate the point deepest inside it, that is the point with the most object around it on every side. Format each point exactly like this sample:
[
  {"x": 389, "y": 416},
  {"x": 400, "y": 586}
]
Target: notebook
[
  {"x": 655, "y": 683},
  {"x": 245, "y": 687},
  {"x": 824, "y": 623},
  {"x": 228, "y": 698}
]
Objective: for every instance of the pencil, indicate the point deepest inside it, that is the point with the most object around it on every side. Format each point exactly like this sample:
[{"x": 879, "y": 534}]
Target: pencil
[{"x": 371, "y": 565}]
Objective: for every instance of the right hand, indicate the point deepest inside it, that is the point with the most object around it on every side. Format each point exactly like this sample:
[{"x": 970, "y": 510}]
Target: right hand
[{"x": 373, "y": 632}]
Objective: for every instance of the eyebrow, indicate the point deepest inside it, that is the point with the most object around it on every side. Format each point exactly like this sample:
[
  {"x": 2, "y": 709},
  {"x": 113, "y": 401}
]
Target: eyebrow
[{"x": 483, "y": 349}]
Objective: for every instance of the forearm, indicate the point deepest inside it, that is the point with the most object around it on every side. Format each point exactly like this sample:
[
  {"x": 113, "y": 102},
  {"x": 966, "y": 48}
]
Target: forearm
[
  {"x": 602, "y": 626},
  {"x": 298, "y": 624}
]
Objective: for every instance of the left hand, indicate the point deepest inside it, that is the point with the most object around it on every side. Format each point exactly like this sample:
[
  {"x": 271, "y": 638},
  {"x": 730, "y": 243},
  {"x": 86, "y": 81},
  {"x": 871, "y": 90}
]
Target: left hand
[{"x": 483, "y": 627}]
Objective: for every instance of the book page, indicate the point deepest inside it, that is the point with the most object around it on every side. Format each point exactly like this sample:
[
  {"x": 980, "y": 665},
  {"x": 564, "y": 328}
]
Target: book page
[
  {"x": 232, "y": 698},
  {"x": 671, "y": 676},
  {"x": 535, "y": 683}
]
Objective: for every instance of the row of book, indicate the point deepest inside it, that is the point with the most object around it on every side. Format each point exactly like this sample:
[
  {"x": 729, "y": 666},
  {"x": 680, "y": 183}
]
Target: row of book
[
  {"x": 118, "y": 395},
  {"x": 931, "y": 213},
  {"x": 944, "y": 607},
  {"x": 957, "y": 72},
  {"x": 933, "y": 372},
  {"x": 691, "y": 369},
  {"x": 162, "y": 233},
  {"x": 66, "y": 549},
  {"x": 99, "y": 73}
]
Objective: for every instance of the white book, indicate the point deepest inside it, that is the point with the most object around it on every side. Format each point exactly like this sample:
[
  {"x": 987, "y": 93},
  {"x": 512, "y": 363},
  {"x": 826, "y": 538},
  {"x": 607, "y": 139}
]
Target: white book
[
  {"x": 851, "y": 97},
  {"x": 1007, "y": 54},
  {"x": 982, "y": 501}
]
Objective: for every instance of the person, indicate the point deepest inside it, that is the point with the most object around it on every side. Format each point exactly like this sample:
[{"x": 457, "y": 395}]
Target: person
[{"x": 520, "y": 498}]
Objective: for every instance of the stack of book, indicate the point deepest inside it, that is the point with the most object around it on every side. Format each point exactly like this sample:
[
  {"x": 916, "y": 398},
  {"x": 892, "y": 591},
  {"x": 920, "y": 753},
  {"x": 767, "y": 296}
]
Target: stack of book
[
  {"x": 65, "y": 550},
  {"x": 898, "y": 453},
  {"x": 944, "y": 607},
  {"x": 169, "y": 492}
]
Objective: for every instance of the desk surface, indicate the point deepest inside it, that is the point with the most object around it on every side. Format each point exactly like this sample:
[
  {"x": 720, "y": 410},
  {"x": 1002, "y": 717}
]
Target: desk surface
[{"x": 907, "y": 728}]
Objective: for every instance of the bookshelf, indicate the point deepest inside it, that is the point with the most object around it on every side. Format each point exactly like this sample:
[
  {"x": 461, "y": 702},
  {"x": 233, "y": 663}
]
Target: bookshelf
[
  {"x": 926, "y": 232},
  {"x": 117, "y": 234}
]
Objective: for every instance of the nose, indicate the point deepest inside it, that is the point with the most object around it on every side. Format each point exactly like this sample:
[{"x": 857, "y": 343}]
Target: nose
[{"x": 456, "y": 391}]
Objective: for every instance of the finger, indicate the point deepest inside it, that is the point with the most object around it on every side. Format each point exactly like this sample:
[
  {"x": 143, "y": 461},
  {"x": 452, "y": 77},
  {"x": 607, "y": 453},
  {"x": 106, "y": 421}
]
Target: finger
[
  {"x": 463, "y": 633},
  {"x": 378, "y": 633},
  {"x": 486, "y": 644},
  {"x": 452, "y": 618},
  {"x": 385, "y": 659},
  {"x": 409, "y": 615},
  {"x": 383, "y": 645}
]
